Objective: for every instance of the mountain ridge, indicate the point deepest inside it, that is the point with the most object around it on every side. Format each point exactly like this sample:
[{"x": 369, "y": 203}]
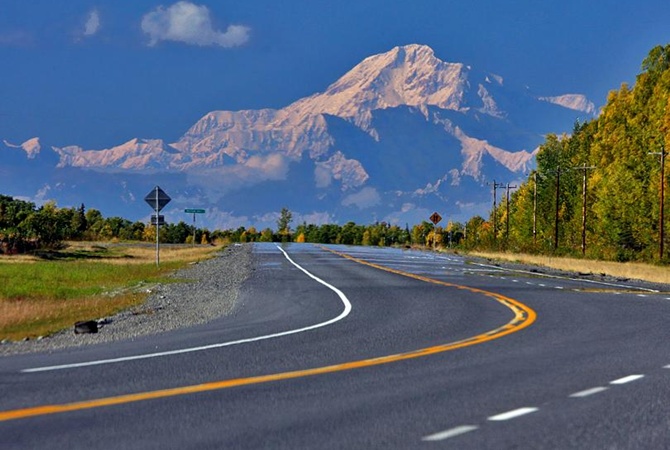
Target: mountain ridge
[{"x": 406, "y": 110}]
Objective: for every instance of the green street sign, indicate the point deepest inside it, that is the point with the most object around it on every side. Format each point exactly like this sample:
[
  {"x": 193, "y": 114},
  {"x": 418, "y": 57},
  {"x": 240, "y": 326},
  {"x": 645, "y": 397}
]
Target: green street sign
[{"x": 195, "y": 211}]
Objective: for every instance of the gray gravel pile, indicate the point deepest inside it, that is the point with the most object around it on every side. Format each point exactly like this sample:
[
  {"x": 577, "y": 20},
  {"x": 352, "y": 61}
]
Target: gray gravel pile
[{"x": 207, "y": 290}]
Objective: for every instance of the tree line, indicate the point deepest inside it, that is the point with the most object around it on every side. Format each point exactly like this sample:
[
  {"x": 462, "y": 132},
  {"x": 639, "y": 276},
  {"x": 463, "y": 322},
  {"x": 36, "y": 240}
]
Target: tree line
[
  {"x": 598, "y": 192},
  {"x": 25, "y": 227}
]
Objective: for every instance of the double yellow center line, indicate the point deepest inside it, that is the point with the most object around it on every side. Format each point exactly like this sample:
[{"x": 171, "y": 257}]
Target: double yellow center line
[{"x": 523, "y": 317}]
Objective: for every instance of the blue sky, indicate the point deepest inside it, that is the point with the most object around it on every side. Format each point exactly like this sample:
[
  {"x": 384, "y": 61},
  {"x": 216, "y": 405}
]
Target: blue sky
[{"x": 98, "y": 73}]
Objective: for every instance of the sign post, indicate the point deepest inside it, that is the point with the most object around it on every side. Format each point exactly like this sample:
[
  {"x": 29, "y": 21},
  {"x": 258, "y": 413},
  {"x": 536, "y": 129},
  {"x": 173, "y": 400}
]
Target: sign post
[
  {"x": 435, "y": 218},
  {"x": 194, "y": 212},
  {"x": 157, "y": 199}
]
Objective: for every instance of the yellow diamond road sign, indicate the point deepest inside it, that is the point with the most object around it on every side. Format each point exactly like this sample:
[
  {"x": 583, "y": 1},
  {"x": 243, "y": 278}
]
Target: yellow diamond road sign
[{"x": 435, "y": 218}]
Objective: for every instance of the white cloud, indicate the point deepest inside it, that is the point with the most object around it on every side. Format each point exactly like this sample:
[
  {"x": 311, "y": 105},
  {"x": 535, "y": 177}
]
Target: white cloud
[
  {"x": 316, "y": 218},
  {"x": 322, "y": 176},
  {"x": 257, "y": 169},
  {"x": 92, "y": 25},
  {"x": 189, "y": 23},
  {"x": 365, "y": 198}
]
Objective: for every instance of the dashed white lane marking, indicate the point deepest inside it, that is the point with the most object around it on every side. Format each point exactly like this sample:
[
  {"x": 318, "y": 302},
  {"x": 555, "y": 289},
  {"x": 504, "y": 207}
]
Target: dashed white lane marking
[
  {"x": 452, "y": 432},
  {"x": 588, "y": 392},
  {"x": 442, "y": 435},
  {"x": 627, "y": 379},
  {"x": 513, "y": 414},
  {"x": 559, "y": 287},
  {"x": 642, "y": 295},
  {"x": 343, "y": 314}
]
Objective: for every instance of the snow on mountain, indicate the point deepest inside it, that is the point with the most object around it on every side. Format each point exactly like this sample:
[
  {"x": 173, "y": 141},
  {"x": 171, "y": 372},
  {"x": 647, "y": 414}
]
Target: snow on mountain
[
  {"x": 237, "y": 135},
  {"x": 349, "y": 171},
  {"x": 474, "y": 150},
  {"x": 32, "y": 147},
  {"x": 134, "y": 154},
  {"x": 409, "y": 75},
  {"x": 576, "y": 102},
  {"x": 396, "y": 132}
]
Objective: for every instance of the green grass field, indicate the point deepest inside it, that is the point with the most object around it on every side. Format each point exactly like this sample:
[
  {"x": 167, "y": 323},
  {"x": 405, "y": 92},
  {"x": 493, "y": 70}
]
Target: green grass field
[{"x": 48, "y": 293}]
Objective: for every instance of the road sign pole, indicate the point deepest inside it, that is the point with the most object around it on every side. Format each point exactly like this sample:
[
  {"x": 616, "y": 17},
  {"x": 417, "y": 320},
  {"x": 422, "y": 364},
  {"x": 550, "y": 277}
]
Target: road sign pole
[
  {"x": 157, "y": 199},
  {"x": 158, "y": 227},
  {"x": 435, "y": 218},
  {"x": 194, "y": 211}
]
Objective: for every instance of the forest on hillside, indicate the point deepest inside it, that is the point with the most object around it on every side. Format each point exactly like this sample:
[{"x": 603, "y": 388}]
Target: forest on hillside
[{"x": 599, "y": 191}]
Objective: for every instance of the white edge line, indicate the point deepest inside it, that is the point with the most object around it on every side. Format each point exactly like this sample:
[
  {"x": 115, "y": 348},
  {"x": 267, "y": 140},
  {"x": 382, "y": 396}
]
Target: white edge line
[
  {"x": 513, "y": 414},
  {"x": 343, "y": 314},
  {"x": 627, "y": 379},
  {"x": 442, "y": 435}
]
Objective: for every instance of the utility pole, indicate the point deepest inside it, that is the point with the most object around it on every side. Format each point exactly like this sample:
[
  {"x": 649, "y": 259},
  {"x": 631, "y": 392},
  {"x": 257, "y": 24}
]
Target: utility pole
[
  {"x": 558, "y": 190},
  {"x": 495, "y": 218},
  {"x": 584, "y": 168},
  {"x": 534, "y": 208},
  {"x": 661, "y": 219},
  {"x": 507, "y": 188}
]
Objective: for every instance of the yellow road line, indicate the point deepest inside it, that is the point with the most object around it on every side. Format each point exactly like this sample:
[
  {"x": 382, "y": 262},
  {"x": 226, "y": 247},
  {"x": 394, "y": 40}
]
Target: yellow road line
[{"x": 523, "y": 317}]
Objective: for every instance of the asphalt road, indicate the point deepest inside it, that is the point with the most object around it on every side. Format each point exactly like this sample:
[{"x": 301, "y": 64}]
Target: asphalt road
[{"x": 435, "y": 353}]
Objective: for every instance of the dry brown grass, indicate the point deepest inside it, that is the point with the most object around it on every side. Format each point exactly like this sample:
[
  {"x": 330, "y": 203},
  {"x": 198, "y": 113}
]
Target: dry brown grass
[
  {"x": 40, "y": 295},
  {"x": 168, "y": 253},
  {"x": 26, "y": 318},
  {"x": 636, "y": 271},
  {"x": 120, "y": 253}
]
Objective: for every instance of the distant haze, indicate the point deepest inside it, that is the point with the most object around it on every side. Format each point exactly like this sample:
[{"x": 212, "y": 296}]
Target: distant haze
[{"x": 400, "y": 135}]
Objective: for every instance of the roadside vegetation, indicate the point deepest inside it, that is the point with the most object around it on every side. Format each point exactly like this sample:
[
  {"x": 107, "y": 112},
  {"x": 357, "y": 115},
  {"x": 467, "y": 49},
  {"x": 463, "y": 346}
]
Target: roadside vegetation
[
  {"x": 600, "y": 192},
  {"x": 45, "y": 293}
]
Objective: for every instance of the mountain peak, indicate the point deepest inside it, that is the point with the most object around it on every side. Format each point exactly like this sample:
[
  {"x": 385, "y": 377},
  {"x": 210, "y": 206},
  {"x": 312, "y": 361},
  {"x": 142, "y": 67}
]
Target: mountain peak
[
  {"x": 411, "y": 53},
  {"x": 408, "y": 75}
]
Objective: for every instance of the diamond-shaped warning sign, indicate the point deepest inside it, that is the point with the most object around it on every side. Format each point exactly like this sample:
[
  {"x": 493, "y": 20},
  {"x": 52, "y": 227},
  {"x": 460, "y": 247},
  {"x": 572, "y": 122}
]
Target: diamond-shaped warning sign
[
  {"x": 157, "y": 198},
  {"x": 435, "y": 218}
]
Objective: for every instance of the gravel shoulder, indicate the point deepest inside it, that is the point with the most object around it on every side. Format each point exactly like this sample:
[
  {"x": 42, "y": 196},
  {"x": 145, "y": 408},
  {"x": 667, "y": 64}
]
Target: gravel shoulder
[{"x": 209, "y": 289}]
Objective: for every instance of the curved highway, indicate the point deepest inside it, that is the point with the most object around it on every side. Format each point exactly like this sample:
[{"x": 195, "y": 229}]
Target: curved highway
[{"x": 354, "y": 347}]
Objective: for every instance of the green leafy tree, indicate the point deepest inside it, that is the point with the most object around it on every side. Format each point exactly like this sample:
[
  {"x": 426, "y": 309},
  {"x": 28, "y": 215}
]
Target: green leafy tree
[{"x": 284, "y": 224}]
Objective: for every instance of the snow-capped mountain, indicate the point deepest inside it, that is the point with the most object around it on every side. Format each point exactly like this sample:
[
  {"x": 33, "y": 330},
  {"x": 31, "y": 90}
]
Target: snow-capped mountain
[
  {"x": 401, "y": 134},
  {"x": 576, "y": 102}
]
